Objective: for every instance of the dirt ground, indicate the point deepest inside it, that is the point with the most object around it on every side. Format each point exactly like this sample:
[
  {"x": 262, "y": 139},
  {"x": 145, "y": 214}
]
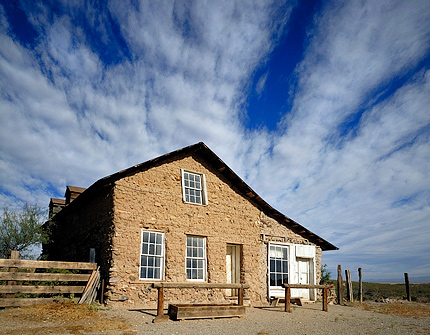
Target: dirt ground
[{"x": 369, "y": 318}]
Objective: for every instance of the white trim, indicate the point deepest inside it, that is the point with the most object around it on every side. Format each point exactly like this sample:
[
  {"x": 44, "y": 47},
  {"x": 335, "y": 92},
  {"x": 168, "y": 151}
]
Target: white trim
[
  {"x": 162, "y": 257},
  {"x": 204, "y": 258},
  {"x": 202, "y": 190}
]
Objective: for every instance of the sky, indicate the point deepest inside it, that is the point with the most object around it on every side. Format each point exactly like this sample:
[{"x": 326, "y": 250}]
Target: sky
[{"x": 322, "y": 107}]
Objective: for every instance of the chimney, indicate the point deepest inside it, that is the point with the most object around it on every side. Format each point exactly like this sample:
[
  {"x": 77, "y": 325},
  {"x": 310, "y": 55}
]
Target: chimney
[
  {"x": 72, "y": 193},
  {"x": 55, "y": 205}
]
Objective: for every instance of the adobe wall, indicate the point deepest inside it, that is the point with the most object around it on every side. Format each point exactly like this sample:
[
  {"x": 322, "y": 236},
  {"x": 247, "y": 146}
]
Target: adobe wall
[
  {"x": 153, "y": 200},
  {"x": 83, "y": 224}
]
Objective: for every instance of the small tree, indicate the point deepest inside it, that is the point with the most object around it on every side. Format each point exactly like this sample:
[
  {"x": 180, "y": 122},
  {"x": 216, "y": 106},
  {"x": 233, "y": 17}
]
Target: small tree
[
  {"x": 20, "y": 230},
  {"x": 325, "y": 274}
]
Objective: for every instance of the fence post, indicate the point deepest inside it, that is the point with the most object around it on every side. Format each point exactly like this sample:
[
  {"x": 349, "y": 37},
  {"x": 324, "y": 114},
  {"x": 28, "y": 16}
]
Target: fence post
[
  {"x": 360, "y": 285},
  {"x": 408, "y": 292},
  {"x": 92, "y": 255},
  {"x": 13, "y": 255},
  {"x": 339, "y": 286},
  {"x": 288, "y": 299},
  {"x": 349, "y": 292}
]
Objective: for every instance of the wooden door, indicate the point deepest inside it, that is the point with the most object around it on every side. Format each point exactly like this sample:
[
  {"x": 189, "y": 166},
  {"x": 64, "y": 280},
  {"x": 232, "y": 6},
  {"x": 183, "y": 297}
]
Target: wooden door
[
  {"x": 233, "y": 266},
  {"x": 304, "y": 276}
]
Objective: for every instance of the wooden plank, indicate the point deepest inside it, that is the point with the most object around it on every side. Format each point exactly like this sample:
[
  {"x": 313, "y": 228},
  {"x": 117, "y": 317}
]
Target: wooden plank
[
  {"x": 349, "y": 292},
  {"x": 86, "y": 289},
  {"x": 360, "y": 285},
  {"x": 40, "y": 289},
  {"x": 199, "y": 285},
  {"x": 26, "y": 264},
  {"x": 18, "y": 302},
  {"x": 26, "y": 276},
  {"x": 190, "y": 311}
]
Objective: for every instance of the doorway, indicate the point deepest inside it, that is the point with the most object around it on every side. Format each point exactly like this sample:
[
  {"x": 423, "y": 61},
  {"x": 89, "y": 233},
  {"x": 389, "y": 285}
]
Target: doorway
[
  {"x": 233, "y": 267},
  {"x": 304, "y": 277}
]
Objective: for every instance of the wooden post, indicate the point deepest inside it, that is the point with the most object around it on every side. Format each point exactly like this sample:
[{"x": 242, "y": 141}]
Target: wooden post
[
  {"x": 92, "y": 258},
  {"x": 349, "y": 292},
  {"x": 360, "y": 285},
  {"x": 408, "y": 292},
  {"x": 102, "y": 292},
  {"x": 160, "y": 301},
  {"x": 325, "y": 300},
  {"x": 13, "y": 255},
  {"x": 240, "y": 296},
  {"x": 287, "y": 299},
  {"x": 339, "y": 286}
]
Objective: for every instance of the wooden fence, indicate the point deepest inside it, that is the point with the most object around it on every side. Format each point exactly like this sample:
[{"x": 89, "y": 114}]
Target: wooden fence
[{"x": 23, "y": 282}]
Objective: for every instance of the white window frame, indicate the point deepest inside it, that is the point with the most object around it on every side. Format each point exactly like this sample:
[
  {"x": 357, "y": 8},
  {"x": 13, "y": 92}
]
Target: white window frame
[
  {"x": 201, "y": 190},
  {"x": 269, "y": 265},
  {"x": 151, "y": 253},
  {"x": 192, "y": 259}
]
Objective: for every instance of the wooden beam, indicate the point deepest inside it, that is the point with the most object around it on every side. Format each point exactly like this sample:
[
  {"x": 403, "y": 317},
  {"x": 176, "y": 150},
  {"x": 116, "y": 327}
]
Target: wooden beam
[
  {"x": 305, "y": 286},
  {"x": 28, "y": 264},
  {"x": 40, "y": 289},
  {"x": 200, "y": 285},
  {"x": 26, "y": 276}
]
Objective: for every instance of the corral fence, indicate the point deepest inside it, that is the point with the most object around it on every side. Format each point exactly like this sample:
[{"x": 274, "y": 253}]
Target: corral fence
[{"x": 28, "y": 282}]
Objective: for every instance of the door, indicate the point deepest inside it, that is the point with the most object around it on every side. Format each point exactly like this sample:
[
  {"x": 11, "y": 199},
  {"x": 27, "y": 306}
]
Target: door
[
  {"x": 304, "y": 276},
  {"x": 233, "y": 267}
]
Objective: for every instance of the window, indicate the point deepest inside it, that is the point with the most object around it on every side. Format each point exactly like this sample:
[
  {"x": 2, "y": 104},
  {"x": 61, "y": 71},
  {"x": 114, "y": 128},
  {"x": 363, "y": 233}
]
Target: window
[
  {"x": 152, "y": 255},
  {"x": 278, "y": 267},
  {"x": 196, "y": 258},
  {"x": 193, "y": 188}
]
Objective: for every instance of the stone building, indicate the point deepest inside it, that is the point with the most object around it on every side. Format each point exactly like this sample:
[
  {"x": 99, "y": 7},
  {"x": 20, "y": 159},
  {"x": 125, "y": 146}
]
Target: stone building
[{"x": 184, "y": 216}]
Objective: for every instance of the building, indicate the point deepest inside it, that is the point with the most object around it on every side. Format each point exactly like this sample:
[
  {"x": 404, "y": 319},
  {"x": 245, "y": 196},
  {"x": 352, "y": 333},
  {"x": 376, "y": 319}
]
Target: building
[{"x": 184, "y": 216}]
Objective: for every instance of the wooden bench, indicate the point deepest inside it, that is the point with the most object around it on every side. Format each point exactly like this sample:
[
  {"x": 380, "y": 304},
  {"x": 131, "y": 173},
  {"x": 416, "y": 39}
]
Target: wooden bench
[
  {"x": 295, "y": 300},
  {"x": 288, "y": 288},
  {"x": 192, "y": 311}
]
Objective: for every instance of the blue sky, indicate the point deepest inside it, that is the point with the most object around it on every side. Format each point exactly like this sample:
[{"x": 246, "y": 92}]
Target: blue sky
[{"x": 321, "y": 106}]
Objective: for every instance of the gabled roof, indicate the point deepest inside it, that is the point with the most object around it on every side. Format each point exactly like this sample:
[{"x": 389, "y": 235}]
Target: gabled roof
[{"x": 212, "y": 159}]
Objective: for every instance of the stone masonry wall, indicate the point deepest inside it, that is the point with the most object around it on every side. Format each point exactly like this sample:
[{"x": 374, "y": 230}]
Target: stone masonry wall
[{"x": 152, "y": 200}]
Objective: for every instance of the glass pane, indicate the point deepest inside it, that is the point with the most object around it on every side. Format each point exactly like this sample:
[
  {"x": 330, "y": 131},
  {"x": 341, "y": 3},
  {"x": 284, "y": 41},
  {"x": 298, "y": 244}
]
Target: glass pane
[
  {"x": 194, "y": 263},
  {"x": 158, "y": 250},
  {"x": 150, "y": 261},
  {"x": 278, "y": 266},
  {"x": 195, "y": 242},
  {"x": 200, "y": 274},
  {"x": 143, "y": 260},
  {"x": 272, "y": 280},
  {"x": 278, "y": 280},
  {"x": 200, "y": 263},
  {"x": 194, "y": 274},
  {"x": 151, "y": 249},
  {"x": 150, "y": 273},
  {"x": 159, "y": 239},
  {"x": 145, "y": 236},
  {"x": 151, "y": 237},
  {"x": 143, "y": 272},
  {"x": 145, "y": 248},
  {"x": 200, "y": 242},
  {"x": 285, "y": 278},
  {"x": 189, "y": 241},
  {"x": 200, "y": 252},
  {"x": 186, "y": 183},
  {"x": 157, "y": 262},
  {"x": 285, "y": 266},
  {"x": 198, "y": 200},
  {"x": 192, "y": 184},
  {"x": 157, "y": 274},
  {"x": 272, "y": 265},
  {"x": 192, "y": 199},
  {"x": 189, "y": 252},
  {"x": 188, "y": 263},
  {"x": 189, "y": 274},
  {"x": 284, "y": 253}
]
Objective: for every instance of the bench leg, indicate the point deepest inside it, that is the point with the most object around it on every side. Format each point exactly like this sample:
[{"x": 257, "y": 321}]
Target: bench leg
[{"x": 324, "y": 300}]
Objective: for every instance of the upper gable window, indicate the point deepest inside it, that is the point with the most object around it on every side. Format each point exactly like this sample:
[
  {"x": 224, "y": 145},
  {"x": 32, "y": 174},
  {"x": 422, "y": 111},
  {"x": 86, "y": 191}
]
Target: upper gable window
[{"x": 193, "y": 188}]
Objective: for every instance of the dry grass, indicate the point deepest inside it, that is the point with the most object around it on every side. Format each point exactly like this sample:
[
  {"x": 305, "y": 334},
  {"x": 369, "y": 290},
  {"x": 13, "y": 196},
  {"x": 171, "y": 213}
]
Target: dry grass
[
  {"x": 398, "y": 308},
  {"x": 59, "y": 318}
]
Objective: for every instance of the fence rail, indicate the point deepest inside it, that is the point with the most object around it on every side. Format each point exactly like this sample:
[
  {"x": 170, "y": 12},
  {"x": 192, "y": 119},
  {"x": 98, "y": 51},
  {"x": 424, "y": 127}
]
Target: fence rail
[{"x": 20, "y": 278}]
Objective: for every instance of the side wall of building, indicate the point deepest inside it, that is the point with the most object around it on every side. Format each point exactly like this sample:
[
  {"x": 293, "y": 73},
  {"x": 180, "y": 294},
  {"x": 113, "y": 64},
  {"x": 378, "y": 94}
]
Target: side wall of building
[
  {"x": 152, "y": 200},
  {"x": 83, "y": 224}
]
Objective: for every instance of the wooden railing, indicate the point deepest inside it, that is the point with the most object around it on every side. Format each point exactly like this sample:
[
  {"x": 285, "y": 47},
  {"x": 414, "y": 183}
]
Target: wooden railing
[
  {"x": 288, "y": 287},
  {"x": 21, "y": 277},
  {"x": 161, "y": 286}
]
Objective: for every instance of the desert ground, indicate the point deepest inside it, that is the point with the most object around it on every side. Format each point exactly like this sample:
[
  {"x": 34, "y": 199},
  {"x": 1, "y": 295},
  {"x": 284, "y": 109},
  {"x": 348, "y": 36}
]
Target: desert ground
[{"x": 369, "y": 318}]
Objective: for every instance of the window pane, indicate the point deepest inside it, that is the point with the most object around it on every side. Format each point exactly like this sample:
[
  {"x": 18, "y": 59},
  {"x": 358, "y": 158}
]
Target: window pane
[
  {"x": 157, "y": 273},
  {"x": 150, "y": 273},
  {"x": 144, "y": 260},
  {"x": 159, "y": 239},
  {"x": 200, "y": 274},
  {"x": 272, "y": 265},
  {"x": 151, "y": 249},
  {"x": 272, "y": 280},
  {"x": 158, "y": 250},
  {"x": 143, "y": 272},
  {"x": 151, "y": 237},
  {"x": 145, "y": 236},
  {"x": 150, "y": 261},
  {"x": 200, "y": 252},
  {"x": 189, "y": 274},
  {"x": 145, "y": 248}
]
